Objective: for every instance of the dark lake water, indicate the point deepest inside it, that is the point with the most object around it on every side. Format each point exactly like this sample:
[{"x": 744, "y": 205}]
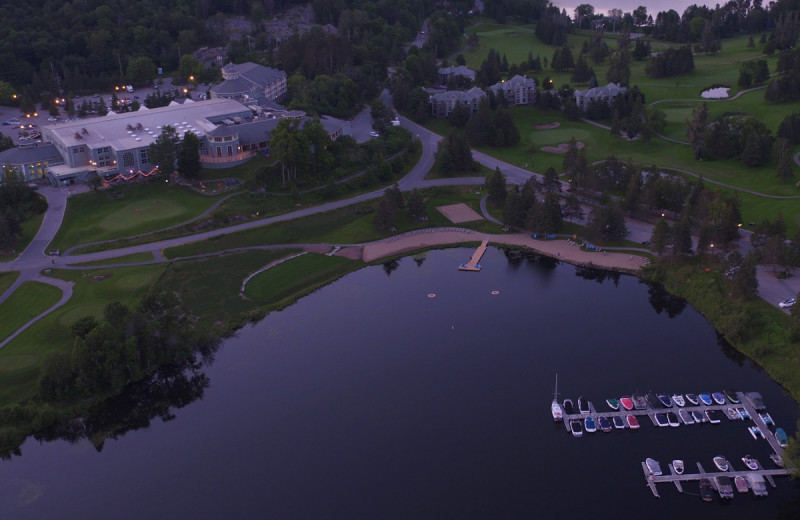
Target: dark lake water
[{"x": 368, "y": 399}]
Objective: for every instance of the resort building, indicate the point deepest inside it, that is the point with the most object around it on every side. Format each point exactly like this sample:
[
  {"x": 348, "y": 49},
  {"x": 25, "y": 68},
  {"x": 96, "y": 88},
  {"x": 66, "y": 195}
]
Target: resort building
[
  {"x": 583, "y": 98},
  {"x": 519, "y": 90},
  {"x": 250, "y": 81},
  {"x": 444, "y": 102},
  {"x": 32, "y": 161},
  {"x": 448, "y": 73}
]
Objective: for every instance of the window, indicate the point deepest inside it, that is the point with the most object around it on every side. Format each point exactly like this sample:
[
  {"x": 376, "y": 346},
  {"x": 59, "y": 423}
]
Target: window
[
  {"x": 127, "y": 160},
  {"x": 230, "y": 150},
  {"x": 144, "y": 155}
]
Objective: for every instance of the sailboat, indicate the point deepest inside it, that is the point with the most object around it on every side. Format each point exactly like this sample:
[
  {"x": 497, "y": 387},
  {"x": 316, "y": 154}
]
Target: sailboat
[{"x": 555, "y": 407}]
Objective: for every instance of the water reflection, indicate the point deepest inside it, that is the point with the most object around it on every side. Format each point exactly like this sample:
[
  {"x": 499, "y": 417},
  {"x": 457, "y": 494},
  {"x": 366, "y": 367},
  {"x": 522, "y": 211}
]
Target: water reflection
[
  {"x": 597, "y": 275},
  {"x": 390, "y": 267},
  {"x": 662, "y": 301}
]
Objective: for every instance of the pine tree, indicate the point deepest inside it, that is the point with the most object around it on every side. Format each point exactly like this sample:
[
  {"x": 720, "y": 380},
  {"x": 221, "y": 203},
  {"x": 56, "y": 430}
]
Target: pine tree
[
  {"x": 696, "y": 129},
  {"x": 496, "y": 187}
]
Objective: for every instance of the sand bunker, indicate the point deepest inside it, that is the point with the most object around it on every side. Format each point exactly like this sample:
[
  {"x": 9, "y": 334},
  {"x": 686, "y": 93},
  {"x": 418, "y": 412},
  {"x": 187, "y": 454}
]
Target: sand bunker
[
  {"x": 548, "y": 126},
  {"x": 562, "y": 148},
  {"x": 458, "y": 213}
]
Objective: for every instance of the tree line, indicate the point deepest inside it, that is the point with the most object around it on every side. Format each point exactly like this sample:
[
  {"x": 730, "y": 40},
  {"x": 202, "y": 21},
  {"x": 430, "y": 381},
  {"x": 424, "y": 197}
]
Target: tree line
[{"x": 17, "y": 204}]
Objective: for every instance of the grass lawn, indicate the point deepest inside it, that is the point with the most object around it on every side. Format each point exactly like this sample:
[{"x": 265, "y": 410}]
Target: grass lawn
[
  {"x": 349, "y": 225},
  {"x": 6, "y": 279},
  {"x": 297, "y": 276},
  {"x": 28, "y": 301},
  {"x": 21, "y": 359},
  {"x": 210, "y": 287},
  {"x": 146, "y": 256},
  {"x": 29, "y": 229},
  {"x": 144, "y": 207},
  {"x": 245, "y": 172}
]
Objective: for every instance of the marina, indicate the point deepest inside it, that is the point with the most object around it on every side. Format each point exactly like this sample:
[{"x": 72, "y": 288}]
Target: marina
[{"x": 738, "y": 406}]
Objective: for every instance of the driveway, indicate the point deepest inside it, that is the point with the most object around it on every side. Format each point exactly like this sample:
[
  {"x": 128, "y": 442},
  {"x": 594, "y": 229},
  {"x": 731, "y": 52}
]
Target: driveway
[{"x": 774, "y": 290}]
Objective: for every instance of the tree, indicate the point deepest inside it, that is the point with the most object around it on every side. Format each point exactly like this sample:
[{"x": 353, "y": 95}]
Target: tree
[
  {"x": 189, "y": 156},
  {"x": 454, "y": 154},
  {"x": 696, "y": 127},
  {"x": 5, "y": 142},
  {"x": 164, "y": 151},
  {"x": 660, "y": 237},
  {"x": 141, "y": 70},
  {"x": 416, "y": 206},
  {"x": 385, "y": 213},
  {"x": 496, "y": 188},
  {"x": 745, "y": 281},
  {"x": 783, "y": 154},
  {"x": 381, "y": 115},
  {"x": 459, "y": 115},
  {"x": 572, "y": 209}
]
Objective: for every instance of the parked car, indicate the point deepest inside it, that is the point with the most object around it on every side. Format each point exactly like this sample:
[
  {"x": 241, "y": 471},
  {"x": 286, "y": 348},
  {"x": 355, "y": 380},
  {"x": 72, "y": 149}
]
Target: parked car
[
  {"x": 374, "y": 134},
  {"x": 785, "y": 304}
]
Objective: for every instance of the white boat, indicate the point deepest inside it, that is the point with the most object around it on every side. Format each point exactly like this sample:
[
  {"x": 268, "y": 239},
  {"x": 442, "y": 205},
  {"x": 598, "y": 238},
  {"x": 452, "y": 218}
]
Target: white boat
[
  {"x": 733, "y": 415},
  {"x": 678, "y": 399},
  {"x": 767, "y": 418},
  {"x": 721, "y": 463},
  {"x": 576, "y": 427},
  {"x": 686, "y": 416},
  {"x": 757, "y": 484},
  {"x": 555, "y": 407},
  {"x": 755, "y": 431},
  {"x": 750, "y": 462},
  {"x": 678, "y": 466},
  {"x": 776, "y": 459},
  {"x": 653, "y": 466},
  {"x": 743, "y": 413}
]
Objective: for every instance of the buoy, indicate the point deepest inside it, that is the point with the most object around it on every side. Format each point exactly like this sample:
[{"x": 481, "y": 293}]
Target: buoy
[
  {"x": 495, "y": 293},
  {"x": 452, "y": 327},
  {"x": 432, "y": 295}
]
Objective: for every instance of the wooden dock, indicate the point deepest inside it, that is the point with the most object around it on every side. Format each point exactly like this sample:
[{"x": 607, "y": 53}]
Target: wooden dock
[
  {"x": 652, "y": 480},
  {"x": 473, "y": 264}
]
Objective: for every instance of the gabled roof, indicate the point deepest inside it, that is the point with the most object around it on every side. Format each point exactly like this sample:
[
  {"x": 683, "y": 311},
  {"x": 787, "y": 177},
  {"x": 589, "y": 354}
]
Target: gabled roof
[
  {"x": 30, "y": 154},
  {"x": 610, "y": 90}
]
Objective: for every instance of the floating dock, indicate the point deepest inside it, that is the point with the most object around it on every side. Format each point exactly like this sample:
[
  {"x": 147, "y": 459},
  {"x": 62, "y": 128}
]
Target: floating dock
[
  {"x": 473, "y": 264},
  {"x": 676, "y": 479}
]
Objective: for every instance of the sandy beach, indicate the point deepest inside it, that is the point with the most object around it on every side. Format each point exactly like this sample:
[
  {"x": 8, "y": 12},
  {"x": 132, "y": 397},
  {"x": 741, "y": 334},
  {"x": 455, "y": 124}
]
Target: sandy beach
[{"x": 560, "y": 249}]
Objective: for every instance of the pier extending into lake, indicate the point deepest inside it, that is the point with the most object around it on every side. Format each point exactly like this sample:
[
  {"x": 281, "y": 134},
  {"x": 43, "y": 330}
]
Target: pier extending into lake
[{"x": 473, "y": 264}]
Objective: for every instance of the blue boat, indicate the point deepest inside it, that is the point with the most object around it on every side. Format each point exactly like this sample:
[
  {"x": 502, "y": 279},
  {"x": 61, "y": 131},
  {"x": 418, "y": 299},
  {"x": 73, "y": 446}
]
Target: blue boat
[
  {"x": 665, "y": 400},
  {"x": 619, "y": 422},
  {"x": 706, "y": 399},
  {"x": 718, "y": 398},
  {"x": 589, "y": 424},
  {"x": 783, "y": 439},
  {"x": 604, "y": 423},
  {"x": 661, "y": 419}
]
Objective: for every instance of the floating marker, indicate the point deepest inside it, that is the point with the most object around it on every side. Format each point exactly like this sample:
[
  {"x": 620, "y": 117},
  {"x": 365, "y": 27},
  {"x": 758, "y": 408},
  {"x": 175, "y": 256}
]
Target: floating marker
[
  {"x": 495, "y": 293},
  {"x": 432, "y": 295}
]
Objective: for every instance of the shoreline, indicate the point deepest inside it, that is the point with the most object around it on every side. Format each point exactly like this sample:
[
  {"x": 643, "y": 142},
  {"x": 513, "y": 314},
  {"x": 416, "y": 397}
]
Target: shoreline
[{"x": 559, "y": 249}]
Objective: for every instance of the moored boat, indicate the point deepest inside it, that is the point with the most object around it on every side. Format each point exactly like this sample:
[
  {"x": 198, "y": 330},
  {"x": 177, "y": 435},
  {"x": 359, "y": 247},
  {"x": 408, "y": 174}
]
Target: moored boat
[
  {"x": 767, "y": 418},
  {"x": 724, "y": 487},
  {"x": 604, "y": 424},
  {"x": 783, "y": 439},
  {"x": 721, "y": 463},
  {"x": 678, "y": 400},
  {"x": 577, "y": 427},
  {"x": 750, "y": 462},
  {"x": 731, "y": 395},
  {"x": 619, "y": 422},
  {"x": 732, "y": 414},
  {"x": 653, "y": 401},
  {"x": 706, "y": 490},
  {"x": 633, "y": 422},
  {"x": 678, "y": 466},
  {"x": 613, "y": 403},
  {"x": 686, "y": 416},
  {"x": 706, "y": 399},
  {"x": 692, "y": 399},
  {"x": 718, "y": 398},
  {"x": 626, "y": 402},
  {"x": 661, "y": 419},
  {"x": 583, "y": 405},
  {"x": 713, "y": 416},
  {"x": 589, "y": 425},
  {"x": 698, "y": 417},
  {"x": 776, "y": 459},
  {"x": 755, "y": 431},
  {"x": 743, "y": 413},
  {"x": 653, "y": 466},
  {"x": 568, "y": 407},
  {"x": 639, "y": 402},
  {"x": 757, "y": 484},
  {"x": 555, "y": 408},
  {"x": 665, "y": 400},
  {"x": 741, "y": 484},
  {"x": 672, "y": 418}
]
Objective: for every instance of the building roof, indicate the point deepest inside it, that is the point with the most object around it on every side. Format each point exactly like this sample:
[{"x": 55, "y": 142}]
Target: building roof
[
  {"x": 30, "y": 154},
  {"x": 514, "y": 83},
  {"x": 459, "y": 95},
  {"x": 459, "y": 70},
  {"x": 247, "y": 77},
  {"x": 137, "y": 129},
  {"x": 610, "y": 90}
]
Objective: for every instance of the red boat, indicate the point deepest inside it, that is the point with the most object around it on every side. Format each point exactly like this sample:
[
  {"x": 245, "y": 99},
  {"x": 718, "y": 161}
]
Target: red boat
[
  {"x": 626, "y": 402},
  {"x": 633, "y": 422}
]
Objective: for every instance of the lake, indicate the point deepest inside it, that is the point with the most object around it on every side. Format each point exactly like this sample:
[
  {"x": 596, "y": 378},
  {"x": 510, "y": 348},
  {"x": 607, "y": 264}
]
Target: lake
[{"x": 370, "y": 399}]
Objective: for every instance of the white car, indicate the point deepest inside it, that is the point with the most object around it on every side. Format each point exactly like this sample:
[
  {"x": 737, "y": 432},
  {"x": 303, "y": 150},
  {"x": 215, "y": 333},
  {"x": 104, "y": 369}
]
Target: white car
[
  {"x": 785, "y": 304},
  {"x": 374, "y": 134}
]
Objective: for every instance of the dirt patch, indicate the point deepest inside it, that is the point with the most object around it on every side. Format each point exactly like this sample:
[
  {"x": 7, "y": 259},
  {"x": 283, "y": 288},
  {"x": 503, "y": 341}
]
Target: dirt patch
[
  {"x": 562, "y": 148},
  {"x": 548, "y": 126},
  {"x": 353, "y": 253},
  {"x": 458, "y": 213},
  {"x": 100, "y": 277}
]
